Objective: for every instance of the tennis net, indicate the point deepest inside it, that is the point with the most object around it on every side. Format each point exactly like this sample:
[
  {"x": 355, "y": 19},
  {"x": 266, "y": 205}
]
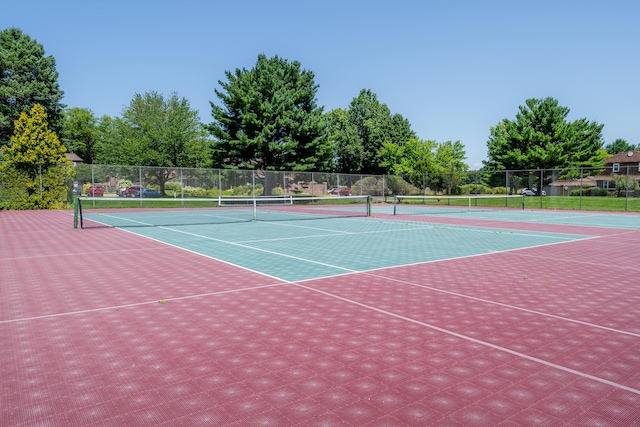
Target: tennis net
[
  {"x": 147, "y": 212},
  {"x": 433, "y": 205}
]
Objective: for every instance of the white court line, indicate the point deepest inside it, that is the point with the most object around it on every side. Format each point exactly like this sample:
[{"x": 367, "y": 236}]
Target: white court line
[
  {"x": 120, "y": 218},
  {"x": 80, "y": 254},
  {"x": 572, "y": 223},
  {"x": 415, "y": 227},
  {"x": 117, "y": 307},
  {"x": 477, "y": 341},
  {"x": 527, "y": 310},
  {"x": 204, "y": 255},
  {"x": 446, "y": 331},
  {"x": 345, "y": 269},
  {"x": 579, "y": 224},
  {"x": 371, "y": 272},
  {"x": 255, "y": 249},
  {"x": 516, "y": 216}
]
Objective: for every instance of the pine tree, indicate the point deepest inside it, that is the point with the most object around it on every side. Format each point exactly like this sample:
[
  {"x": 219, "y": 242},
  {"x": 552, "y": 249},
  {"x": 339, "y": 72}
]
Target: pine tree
[{"x": 29, "y": 77}]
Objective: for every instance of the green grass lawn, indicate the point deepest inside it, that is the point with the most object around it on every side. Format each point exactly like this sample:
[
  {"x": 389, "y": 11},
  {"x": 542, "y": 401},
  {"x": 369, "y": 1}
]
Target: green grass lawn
[{"x": 588, "y": 203}]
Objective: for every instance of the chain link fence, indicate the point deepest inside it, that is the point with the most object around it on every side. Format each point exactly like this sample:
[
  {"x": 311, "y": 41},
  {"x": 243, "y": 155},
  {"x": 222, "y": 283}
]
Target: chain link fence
[{"x": 601, "y": 189}]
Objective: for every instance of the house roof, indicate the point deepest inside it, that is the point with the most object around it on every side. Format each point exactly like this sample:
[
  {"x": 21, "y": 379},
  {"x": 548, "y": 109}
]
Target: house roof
[
  {"x": 611, "y": 177},
  {"x": 624, "y": 157},
  {"x": 587, "y": 180},
  {"x": 73, "y": 157}
]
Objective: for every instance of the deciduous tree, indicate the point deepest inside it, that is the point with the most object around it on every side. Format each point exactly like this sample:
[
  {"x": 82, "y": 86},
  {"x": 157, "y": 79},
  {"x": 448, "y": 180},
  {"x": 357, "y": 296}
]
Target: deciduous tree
[
  {"x": 426, "y": 163},
  {"x": 80, "y": 133},
  {"x": 413, "y": 160},
  {"x": 35, "y": 165},
  {"x": 155, "y": 131},
  {"x": 450, "y": 163},
  {"x": 362, "y": 132}
]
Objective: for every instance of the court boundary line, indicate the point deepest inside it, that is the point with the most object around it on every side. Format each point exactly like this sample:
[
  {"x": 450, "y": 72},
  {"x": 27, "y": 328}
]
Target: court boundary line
[
  {"x": 371, "y": 273},
  {"x": 512, "y": 216},
  {"x": 508, "y": 252},
  {"x": 205, "y": 255},
  {"x": 379, "y": 310},
  {"x": 514, "y": 307},
  {"x": 136, "y": 304},
  {"x": 428, "y": 225},
  {"x": 345, "y": 269},
  {"x": 475, "y": 340},
  {"x": 253, "y": 248}
]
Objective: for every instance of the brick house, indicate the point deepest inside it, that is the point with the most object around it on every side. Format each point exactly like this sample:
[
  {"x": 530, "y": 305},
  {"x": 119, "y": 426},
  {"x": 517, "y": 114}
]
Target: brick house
[{"x": 625, "y": 163}]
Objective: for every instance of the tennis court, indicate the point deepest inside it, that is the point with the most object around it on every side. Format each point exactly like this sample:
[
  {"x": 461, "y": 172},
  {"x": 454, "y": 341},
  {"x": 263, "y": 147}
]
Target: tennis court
[{"x": 484, "y": 317}]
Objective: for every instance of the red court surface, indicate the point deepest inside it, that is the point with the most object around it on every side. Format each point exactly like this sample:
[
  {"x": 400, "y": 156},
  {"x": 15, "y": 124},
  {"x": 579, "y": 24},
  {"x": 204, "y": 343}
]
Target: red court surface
[{"x": 104, "y": 328}]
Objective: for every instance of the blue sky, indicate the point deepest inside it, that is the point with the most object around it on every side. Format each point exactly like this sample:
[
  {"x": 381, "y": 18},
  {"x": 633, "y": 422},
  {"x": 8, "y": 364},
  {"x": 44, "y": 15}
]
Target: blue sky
[{"x": 452, "y": 68}]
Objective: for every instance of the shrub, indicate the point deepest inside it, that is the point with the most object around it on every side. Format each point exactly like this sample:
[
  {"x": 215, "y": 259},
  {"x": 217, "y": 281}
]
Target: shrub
[
  {"x": 590, "y": 191},
  {"x": 193, "y": 191},
  {"x": 499, "y": 190},
  {"x": 124, "y": 183},
  {"x": 397, "y": 185},
  {"x": 475, "y": 189},
  {"x": 172, "y": 186}
]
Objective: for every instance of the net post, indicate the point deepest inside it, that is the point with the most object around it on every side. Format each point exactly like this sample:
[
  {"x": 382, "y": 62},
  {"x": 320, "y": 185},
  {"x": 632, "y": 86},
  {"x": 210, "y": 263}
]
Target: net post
[
  {"x": 395, "y": 200},
  {"x": 75, "y": 212},
  {"x": 523, "y": 202},
  {"x": 368, "y": 205},
  {"x": 255, "y": 209}
]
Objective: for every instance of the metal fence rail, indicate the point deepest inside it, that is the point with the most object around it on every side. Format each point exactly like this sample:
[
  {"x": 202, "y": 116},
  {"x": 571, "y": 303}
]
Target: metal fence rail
[{"x": 581, "y": 188}]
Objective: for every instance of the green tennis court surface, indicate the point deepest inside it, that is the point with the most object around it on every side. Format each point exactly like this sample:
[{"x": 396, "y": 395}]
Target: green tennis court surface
[
  {"x": 302, "y": 250},
  {"x": 584, "y": 219}
]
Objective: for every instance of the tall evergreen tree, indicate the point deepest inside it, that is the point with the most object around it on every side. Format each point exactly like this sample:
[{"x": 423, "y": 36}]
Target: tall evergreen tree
[
  {"x": 542, "y": 138},
  {"x": 28, "y": 77},
  {"x": 269, "y": 120}
]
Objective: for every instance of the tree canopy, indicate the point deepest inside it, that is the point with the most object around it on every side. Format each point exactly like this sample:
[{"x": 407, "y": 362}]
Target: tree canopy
[
  {"x": 620, "y": 145},
  {"x": 541, "y": 137},
  {"x": 269, "y": 119},
  {"x": 80, "y": 133},
  {"x": 426, "y": 164},
  {"x": 360, "y": 133},
  {"x": 155, "y": 131},
  {"x": 28, "y": 77}
]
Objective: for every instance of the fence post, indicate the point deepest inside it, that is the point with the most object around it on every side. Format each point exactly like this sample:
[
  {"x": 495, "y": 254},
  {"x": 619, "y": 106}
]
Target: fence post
[
  {"x": 626, "y": 192},
  {"x": 384, "y": 189},
  {"x": 580, "y": 188}
]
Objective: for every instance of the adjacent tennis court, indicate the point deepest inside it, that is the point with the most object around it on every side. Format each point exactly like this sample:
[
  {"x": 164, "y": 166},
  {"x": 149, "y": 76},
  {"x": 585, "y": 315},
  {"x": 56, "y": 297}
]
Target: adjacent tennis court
[{"x": 343, "y": 313}]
